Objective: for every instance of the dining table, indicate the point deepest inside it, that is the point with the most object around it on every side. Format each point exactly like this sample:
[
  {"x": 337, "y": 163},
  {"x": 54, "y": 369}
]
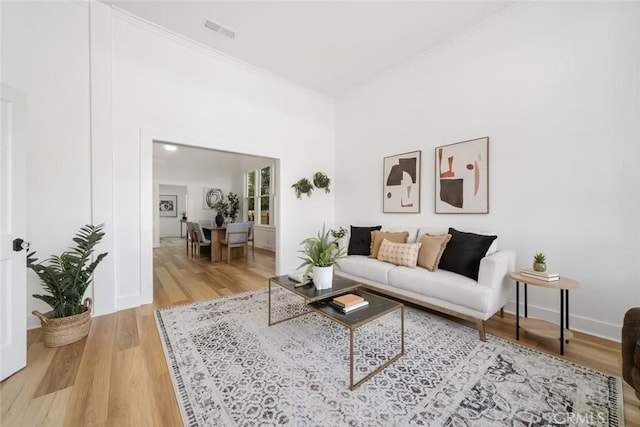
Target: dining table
[{"x": 216, "y": 234}]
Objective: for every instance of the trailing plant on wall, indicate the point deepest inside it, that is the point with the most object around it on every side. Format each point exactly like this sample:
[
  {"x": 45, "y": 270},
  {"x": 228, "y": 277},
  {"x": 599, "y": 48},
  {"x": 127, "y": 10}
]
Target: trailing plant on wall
[
  {"x": 303, "y": 186},
  {"x": 321, "y": 180}
]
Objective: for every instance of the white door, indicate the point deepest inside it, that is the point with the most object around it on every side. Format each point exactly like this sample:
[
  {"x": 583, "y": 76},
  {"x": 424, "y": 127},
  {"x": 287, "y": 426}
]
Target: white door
[{"x": 13, "y": 201}]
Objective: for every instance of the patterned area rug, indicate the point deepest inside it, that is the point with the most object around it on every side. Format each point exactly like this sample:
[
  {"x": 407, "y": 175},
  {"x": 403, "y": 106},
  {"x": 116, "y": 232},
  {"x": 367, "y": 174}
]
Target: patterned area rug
[{"x": 229, "y": 368}]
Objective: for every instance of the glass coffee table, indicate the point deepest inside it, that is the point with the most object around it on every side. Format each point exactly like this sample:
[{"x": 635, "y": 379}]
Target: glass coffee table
[{"x": 316, "y": 301}]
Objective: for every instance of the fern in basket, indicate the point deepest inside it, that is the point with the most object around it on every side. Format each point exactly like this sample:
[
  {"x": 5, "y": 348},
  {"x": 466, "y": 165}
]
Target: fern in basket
[{"x": 67, "y": 276}]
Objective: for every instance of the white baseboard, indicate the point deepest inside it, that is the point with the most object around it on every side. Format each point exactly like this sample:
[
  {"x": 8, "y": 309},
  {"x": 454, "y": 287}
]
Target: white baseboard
[
  {"x": 267, "y": 247},
  {"x": 129, "y": 301},
  {"x": 576, "y": 323}
]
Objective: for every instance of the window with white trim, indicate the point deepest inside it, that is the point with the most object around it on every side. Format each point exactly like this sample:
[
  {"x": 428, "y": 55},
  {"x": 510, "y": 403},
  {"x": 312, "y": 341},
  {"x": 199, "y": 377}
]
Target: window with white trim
[{"x": 259, "y": 195}]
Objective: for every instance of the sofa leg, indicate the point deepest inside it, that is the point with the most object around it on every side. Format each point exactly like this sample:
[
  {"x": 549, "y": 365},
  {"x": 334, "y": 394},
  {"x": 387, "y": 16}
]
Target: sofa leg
[
  {"x": 480, "y": 325},
  {"x": 502, "y": 313}
]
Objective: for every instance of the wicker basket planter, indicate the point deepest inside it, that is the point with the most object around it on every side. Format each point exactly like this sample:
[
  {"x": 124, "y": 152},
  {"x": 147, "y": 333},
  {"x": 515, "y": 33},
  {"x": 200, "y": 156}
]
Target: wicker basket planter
[{"x": 65, "y": 330}]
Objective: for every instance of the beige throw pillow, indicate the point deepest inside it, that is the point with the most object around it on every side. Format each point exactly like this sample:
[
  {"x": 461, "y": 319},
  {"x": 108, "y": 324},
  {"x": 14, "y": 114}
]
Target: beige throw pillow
[
  {"x": 431, "y": 250},
  {"x": 377, "y": 237},
  {"x": 399, "y": 253}
]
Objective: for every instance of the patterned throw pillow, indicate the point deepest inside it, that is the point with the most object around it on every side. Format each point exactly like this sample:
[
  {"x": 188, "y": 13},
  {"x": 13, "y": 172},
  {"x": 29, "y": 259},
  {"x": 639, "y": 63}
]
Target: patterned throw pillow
[
  {"x": 399, "y": 253},
  {"x": 431, "y": 250},
  {"x": 378, "y": 236}
]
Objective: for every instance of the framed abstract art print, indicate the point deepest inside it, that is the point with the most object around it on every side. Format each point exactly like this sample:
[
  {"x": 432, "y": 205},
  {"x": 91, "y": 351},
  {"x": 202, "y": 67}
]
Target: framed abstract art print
[
  {"x": 401, "y": 186},
  {"x": 462, "y": 177}
]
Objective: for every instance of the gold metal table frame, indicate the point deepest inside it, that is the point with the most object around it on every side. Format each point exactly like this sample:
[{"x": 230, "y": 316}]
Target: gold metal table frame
[{"x": 378, "y": 307}]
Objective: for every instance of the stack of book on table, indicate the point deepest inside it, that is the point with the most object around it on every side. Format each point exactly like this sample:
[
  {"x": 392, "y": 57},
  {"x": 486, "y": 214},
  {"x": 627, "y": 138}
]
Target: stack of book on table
[
  {"x": 540, "y": 275},
  {"x": 348, "y": 302}
]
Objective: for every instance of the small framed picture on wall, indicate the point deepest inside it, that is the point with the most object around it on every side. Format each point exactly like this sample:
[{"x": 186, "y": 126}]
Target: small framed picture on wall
[
  {"x": 168, "y": 205},
  {"x": 401, "y": 186}
]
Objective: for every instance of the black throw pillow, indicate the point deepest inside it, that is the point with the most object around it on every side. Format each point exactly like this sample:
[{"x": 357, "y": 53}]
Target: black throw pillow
[
  {"x": 360, "y": 240},
  {"x": 464, "y": 252}
]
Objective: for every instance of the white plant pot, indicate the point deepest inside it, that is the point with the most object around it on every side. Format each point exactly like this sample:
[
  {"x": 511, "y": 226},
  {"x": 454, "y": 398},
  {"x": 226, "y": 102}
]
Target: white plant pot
[{"x": 323, "y": 277}]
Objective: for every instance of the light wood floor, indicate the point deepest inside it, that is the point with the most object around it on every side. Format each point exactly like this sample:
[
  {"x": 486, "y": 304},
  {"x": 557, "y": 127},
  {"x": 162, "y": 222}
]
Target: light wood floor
[{"x": 118, "y": 375}]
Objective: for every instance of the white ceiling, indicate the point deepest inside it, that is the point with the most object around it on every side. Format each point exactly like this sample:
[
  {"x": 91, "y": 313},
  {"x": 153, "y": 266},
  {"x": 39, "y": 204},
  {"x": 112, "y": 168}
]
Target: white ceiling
[
  {"x": 193, "y": 157},
  {"x": 328, "y": 46}
]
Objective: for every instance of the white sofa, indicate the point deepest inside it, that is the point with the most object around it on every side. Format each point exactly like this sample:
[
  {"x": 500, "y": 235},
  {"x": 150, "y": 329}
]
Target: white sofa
[{"x": 441, "y": 290}]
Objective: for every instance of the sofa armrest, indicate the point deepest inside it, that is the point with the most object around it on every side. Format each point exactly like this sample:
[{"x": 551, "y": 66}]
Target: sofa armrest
[
  {"x": 636, "y": 356},
  {"x": 495, "y": 267},
  {"x": 493, "y": 273}
]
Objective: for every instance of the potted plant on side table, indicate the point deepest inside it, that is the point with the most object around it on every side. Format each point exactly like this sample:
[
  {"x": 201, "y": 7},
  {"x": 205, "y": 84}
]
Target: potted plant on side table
[
  {"x": 539, "y": 262},
  {"x": 66, "y": 278},
  {"x": 320, "y": 256}
]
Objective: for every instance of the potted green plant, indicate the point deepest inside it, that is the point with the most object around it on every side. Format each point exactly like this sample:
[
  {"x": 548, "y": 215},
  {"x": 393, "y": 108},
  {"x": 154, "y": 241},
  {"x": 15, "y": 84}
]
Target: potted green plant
[
  {"x": 321, "y": 180},
  {"x": 66, "y": 278},
  {"x": 320, "y": 255},
  {"x": 222, "y": 209},
  {"x": 303, "y": 186},
  {"x": 234, "y": 206},
  {"x": 539, "y": 262},
  {"x": 339, "y": 233}
]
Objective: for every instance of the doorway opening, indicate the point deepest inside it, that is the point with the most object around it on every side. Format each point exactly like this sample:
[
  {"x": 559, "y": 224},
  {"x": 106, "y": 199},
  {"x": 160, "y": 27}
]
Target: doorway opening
[{"x": 186, "y": 173}]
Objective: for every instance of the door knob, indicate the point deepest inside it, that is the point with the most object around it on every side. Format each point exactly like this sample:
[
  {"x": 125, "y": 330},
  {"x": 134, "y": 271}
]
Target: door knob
[{"x": 19, "y": 244}]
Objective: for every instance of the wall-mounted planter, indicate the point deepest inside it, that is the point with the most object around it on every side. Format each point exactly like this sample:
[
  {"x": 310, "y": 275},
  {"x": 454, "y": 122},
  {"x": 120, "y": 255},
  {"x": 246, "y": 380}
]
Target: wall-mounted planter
[
  {"x": 303, "y": 186},
  {"x": 321, "y": 180}
]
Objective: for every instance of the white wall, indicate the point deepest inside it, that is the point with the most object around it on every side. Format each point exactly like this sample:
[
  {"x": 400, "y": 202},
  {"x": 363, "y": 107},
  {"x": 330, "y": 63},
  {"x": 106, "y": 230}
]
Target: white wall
[
  {"x": 555, "y": 87},
  {"x": 45, "y": 55},
  {"x": 159, "y": 85},
  {"x": 198, "y": 169},
  {"x": 181, "y": 93}
]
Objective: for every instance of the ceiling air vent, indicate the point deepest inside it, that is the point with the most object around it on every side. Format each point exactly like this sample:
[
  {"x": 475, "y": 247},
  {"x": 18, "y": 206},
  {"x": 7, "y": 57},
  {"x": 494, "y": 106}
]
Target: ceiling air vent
[{"x": 213, "y": 26}]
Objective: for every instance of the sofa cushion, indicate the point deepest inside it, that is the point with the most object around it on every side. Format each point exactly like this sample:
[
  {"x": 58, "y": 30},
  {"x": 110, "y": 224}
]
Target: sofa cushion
[
  {"x": 360, "y": 240},
  {"x": 413, "y": 231},
  {"x": 431, "y": 250},
  {"x": 378, "y": 236},
  {"x": 443, "y": 285},
  {"x": 399, "y": 253},
  {"x": 464, "y": 252},
  {"x": 365, "y": 267},
  {"x": 435, "y": 231}
]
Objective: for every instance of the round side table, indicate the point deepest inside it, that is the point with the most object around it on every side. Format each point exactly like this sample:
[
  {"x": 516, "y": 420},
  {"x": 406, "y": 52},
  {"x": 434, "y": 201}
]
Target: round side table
[{"x": 539, "y": 327}]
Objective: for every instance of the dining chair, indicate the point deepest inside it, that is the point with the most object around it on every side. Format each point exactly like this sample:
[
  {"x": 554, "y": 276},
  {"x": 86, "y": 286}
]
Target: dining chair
[
  {"x": 206, "y": 222},
  {"x": 190, "y": 240},
  {"x": 236, "y": 237},
  {"x": 200, "y": 239},
  {"x": 250, "y": 224}
]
